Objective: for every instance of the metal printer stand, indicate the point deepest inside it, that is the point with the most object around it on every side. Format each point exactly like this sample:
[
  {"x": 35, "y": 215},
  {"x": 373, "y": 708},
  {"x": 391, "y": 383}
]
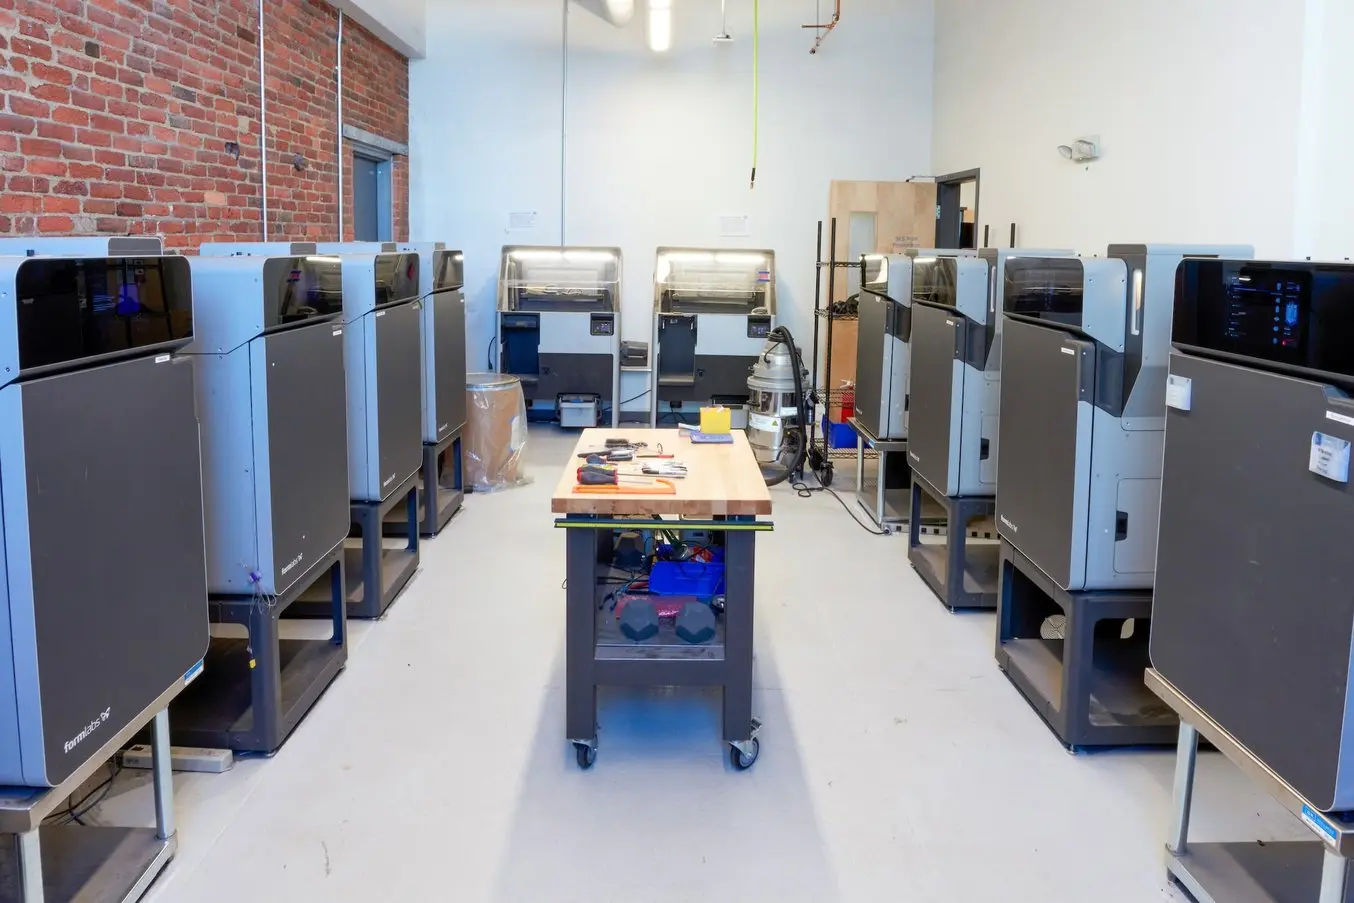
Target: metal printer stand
[
  {"x": 254, "y": 692},
  {"x": 1315, "y": 871},
  {"x": 438, "y": 501},
  {"x": 374, "y": 575},
  {"x": 76, "y": 864},
  {"x": 960, "y": 573},
  {"x": 886, "y": 500},
  {"x": 1086, "y": 684}
]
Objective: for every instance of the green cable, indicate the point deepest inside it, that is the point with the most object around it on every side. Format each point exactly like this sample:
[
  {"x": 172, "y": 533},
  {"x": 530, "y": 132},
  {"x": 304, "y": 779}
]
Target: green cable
[{"x": 756, "y": 71}]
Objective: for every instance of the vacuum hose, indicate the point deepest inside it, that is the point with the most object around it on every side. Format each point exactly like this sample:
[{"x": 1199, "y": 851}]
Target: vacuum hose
[{"x": 782, "y": 335}]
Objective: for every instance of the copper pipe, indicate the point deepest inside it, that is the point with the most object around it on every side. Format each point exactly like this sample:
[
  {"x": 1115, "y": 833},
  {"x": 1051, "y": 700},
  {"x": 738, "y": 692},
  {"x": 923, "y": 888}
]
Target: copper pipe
[{"x": 825, "y": 29}]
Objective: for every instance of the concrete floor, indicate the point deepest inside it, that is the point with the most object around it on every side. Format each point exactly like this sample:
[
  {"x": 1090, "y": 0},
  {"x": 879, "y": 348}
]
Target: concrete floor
[{"x": 898, "y": 764}]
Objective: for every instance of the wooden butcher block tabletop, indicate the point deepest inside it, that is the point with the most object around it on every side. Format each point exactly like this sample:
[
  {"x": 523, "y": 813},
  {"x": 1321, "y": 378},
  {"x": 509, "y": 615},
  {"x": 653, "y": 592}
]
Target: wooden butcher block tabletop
[{"x": 720, "y": 480}]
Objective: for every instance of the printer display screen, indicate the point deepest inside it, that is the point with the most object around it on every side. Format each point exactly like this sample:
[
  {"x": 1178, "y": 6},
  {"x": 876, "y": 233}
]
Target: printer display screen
[{"x": 1296, "y": 314}]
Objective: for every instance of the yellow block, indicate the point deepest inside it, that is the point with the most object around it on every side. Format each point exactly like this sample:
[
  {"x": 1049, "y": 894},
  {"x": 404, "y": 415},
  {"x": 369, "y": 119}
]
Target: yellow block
[{"x": 718, "y": 419}]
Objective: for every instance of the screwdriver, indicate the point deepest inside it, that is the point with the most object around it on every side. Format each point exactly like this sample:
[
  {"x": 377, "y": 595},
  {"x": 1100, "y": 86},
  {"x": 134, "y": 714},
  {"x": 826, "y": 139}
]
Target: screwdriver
[{"x": 599, "y": 475}]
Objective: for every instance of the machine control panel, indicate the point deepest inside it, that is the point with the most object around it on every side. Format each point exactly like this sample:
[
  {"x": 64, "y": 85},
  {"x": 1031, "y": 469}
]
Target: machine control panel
[
  {"x": 759, "y": 327},
  {"x": 1293, "y": 314},
  {"x": 521, "y": 321},
  {"x": 602, "y": 324}
]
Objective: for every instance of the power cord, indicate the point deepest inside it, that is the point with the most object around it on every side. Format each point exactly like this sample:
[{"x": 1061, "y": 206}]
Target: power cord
[
  {"x": 77, "y": 810},
  {"x": 804, "y": 491}
]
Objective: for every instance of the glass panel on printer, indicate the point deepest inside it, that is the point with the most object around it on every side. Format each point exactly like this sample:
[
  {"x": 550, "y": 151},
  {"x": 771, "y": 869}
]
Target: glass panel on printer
[
  {"x": 301, "y": 288},
  {"x": 559, "y": 279},
  {"x": 875, "y": 274},
  {"x": 1292, "y": 314},
  {"x": 1045, "y": 289},
  {"x": 715, "y": 282},
  {"x": 934, "y": 280},
  {"x": 396, "y": 278},
  {"x": 448, "y": 270},
  {"x": 78, "y": 308}
]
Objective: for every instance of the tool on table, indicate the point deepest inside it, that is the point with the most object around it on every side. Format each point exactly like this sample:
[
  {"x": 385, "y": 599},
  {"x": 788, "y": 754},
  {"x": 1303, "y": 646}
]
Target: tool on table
[
  {"x": 626, "y": 452},
  {"x": 599, "y": 478},
  {"x": 675, "y": 469}
]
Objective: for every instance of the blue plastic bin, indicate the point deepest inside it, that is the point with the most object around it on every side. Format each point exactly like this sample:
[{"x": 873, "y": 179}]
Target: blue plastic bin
[
  {"x": 687, "y": 578},
  {"x": 838, "y": 435}
]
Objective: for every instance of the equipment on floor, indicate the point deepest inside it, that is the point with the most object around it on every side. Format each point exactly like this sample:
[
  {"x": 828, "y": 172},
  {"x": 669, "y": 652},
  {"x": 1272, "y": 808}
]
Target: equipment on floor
[
  {"x": 103, "y": 595},
  {"x": 559, "y": 328},
  {"x": 1252, "y": 617},
  {"x": 778, "y": 408},
  {"x": 442, "y": 280},
  {"x": 1083, "y": 407},
  {"x": 883, "y": 338},
  {"x": 955, "y": 368},
  {"x": 713, "y": 311},
  {"x": 268, "y": 349}
]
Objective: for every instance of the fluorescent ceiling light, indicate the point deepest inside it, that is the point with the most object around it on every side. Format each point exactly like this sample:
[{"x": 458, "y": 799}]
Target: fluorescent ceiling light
[{"x": 660, "y": 25}]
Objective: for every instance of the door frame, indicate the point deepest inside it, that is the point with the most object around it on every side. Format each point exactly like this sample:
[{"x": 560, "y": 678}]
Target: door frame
[
  {"x": 385, "y": 206},
  {"x": 949, "y": 219}
]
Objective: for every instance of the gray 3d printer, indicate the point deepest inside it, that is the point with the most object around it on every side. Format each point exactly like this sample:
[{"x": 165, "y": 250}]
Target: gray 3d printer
[
  {"x": 442, "y": 278},
  {"x": 1084, "y": 358},
  {"x": 103, "y": 595},
  {"x": 883, "y": 339},
  {"x": 381, "y": 325},
  {"x": 270, "y": 387},
  {"x": 1252, "y": 615},
  {"x": 559, "y": 328},
  {"x": 952, "y": 445},
  {"x": 713, "y": 310}
]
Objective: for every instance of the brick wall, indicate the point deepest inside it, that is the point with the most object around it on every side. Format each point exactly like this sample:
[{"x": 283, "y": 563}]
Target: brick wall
[{"x": 142, "y": 117}]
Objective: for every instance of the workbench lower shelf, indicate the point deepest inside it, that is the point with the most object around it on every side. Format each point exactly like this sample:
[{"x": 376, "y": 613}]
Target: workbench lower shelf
[{"x": 83, "y": 863}]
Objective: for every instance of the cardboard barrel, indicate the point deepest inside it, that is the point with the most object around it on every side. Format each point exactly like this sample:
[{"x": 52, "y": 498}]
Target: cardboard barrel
[{"x": 495, "y": 431}]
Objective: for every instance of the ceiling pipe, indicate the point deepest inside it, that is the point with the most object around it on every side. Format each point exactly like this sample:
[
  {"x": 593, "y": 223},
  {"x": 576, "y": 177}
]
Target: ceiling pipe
[
  {"x": 825, "y": 30},
  {"x": 617, "y": 12}
]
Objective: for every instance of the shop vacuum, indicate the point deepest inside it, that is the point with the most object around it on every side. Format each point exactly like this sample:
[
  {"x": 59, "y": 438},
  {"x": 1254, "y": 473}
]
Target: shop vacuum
[{"x": 778, "y": 408}]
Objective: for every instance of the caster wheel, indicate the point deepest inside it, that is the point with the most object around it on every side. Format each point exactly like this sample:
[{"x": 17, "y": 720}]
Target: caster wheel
[
  {"x": 825, "y": 476},
  {"x": 585, "y": 755},
  {"x": 741, "y": 760}
]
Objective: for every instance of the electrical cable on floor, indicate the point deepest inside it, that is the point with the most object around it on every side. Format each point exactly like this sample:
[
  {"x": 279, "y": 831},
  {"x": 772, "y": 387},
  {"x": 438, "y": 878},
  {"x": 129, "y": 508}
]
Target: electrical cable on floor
[
  {"x": 76, "y": 810},
  {"x": 488, "y": 357},
  {"x": 804, "y": 491},
  {"x": 636, "y": 397}
]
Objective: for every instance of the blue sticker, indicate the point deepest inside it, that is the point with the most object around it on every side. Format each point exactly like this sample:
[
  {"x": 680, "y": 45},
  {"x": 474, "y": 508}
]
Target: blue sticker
[
  {"x": 192, "y": 672},
  {"x": 1318, "y": 823}
]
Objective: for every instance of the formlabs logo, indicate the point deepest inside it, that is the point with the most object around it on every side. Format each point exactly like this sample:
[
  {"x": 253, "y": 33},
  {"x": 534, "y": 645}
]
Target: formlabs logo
[
  {"x": 89, "y": 729},
  {"x": 293, "y": 563},
  {"x": 913, "y": 455},
  {"x": 1007, "y": 521}
]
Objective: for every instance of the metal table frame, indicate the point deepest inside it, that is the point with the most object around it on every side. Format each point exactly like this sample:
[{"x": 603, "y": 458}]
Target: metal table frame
[
  {"x": 955, "y": 579},
  {"x": 438, "y": 503},
  {"x": 1315, "y": 870},
  {"x": 368, "y": 563},
  {"x": 98, "y": 863},
  {"x": 586, "y": 669},
  {"x": 884, "y": 515},
  {"x": 253, "y": 693}
]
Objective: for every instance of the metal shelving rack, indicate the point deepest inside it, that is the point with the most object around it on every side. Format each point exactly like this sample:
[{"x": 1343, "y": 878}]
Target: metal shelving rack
[{"x": 823, "y": 397}]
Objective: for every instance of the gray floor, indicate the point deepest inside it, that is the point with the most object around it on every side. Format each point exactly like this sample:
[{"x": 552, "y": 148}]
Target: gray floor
[{"x": 897, "y": 763}]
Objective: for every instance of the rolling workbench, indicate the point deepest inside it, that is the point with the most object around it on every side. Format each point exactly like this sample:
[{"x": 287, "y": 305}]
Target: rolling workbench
[{"x": 723, "y": 493}]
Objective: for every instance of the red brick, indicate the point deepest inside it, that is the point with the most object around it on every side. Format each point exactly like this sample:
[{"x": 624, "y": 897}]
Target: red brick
[
  {"x": 88, "y": 101},
  {"x": 77, "y": 152},
  {"x": 98, "y": 207},
  {"x": 105, "y": 189},
  {"x": 40, "y": 147},
  {"x": 70, "y": 116},
  {"x": 85, "y": 171},
  {"x": 106, "y": 123},
  {"x": 55, "y": 75},
  {"x": 22, "y": 106},
  {"x": 20, "y": 203},
  {"x": 47, "y": 167},
  {"x": 71, "y": 187},
  {"x": 126, "y": 209},
  {"x": 20, "y": 124},
  {"x": 29, "y": 184},
  {"x": 53, "y": 204},
  {"x": 53, "y": 93},
  {"x": 34, "y": 49},
  {"x": 55, "y": 224},
  {"x": 12, "y": 164},
  {"x": 56, "y": 131}
]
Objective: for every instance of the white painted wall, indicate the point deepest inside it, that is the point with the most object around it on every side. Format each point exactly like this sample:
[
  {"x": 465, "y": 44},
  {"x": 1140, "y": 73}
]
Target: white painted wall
[
  {"x": 658, "y": 147},
  {"x": 1196, "y": 103},
  {"x": 1325, "y": 179},
  {"x": 400, "y": 23}
]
